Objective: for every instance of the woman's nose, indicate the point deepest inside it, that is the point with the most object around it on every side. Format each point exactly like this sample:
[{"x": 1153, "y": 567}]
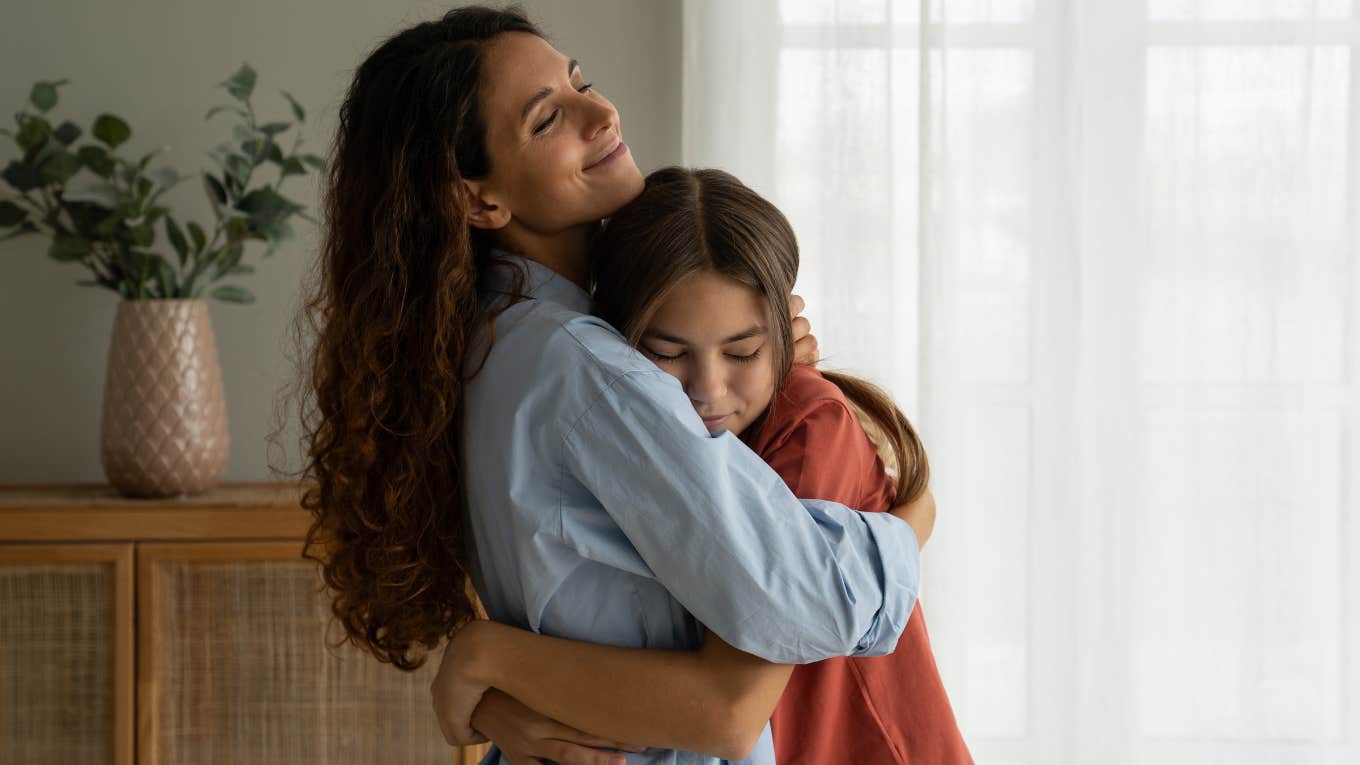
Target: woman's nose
[{"x": 598, "y": 115}]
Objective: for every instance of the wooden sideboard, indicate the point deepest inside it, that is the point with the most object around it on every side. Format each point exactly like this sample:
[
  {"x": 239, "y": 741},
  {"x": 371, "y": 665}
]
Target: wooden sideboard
[{"x": 186, "y": 631}]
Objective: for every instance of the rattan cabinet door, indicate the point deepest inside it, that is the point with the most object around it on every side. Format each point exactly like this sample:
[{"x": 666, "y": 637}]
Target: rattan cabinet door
[
  {"x": 65, "y": 654},
  {"x": 236, "y": 665}
]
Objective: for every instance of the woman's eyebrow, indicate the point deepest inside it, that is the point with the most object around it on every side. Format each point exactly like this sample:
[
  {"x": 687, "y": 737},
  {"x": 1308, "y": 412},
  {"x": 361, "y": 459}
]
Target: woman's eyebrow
[{"x": 544, "y": 92}]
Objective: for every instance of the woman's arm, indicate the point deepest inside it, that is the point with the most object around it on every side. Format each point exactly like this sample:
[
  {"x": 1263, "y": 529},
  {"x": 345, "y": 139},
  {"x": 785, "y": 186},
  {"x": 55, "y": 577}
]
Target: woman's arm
[{"x": 716, "y": 700}]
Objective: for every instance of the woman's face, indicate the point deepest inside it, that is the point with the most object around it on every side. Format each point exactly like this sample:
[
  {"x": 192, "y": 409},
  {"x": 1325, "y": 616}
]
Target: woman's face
[
  {"x": 710, "y": 333},
  {"x": 557, "y": 154}
]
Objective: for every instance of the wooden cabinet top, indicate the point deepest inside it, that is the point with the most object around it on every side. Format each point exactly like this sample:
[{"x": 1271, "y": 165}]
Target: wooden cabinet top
[{"x": 95, "y": 512}]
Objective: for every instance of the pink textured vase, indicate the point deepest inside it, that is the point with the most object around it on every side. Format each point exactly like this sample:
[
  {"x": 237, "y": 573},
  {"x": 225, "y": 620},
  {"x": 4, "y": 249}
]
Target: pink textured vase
[{"x": 165, "y": 418}]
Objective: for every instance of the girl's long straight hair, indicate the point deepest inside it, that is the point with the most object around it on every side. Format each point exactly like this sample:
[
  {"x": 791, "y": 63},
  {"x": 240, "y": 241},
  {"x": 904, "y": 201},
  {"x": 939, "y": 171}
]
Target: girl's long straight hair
[
  {"x": 391, "y": 312},
  {"x": 687, "y": 221}
]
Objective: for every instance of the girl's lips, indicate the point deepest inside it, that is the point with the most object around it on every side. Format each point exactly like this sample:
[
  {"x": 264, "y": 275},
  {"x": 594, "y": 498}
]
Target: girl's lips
[
  {"x": 618, "y": 151},
  {"x": 712, "y": 422}
]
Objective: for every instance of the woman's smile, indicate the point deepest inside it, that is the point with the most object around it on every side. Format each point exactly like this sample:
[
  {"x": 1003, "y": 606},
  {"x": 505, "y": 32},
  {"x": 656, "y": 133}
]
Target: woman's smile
[{"x": 618, "y": 150}]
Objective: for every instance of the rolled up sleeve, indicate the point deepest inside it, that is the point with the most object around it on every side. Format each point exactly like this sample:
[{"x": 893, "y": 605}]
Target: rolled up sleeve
[{"x": 790, "y": 581}]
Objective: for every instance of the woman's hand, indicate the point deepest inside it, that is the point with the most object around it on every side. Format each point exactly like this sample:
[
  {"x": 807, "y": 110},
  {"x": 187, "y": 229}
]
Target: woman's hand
[
  {"x": 456, "y": 689},
  {"x": 804, "y": 344},
  {"x": 527, "y": 737}
]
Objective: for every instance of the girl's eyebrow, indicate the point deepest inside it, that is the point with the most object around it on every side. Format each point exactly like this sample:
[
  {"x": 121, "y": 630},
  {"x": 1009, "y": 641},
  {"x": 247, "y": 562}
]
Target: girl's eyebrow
[{"x": 743, "y": 335}]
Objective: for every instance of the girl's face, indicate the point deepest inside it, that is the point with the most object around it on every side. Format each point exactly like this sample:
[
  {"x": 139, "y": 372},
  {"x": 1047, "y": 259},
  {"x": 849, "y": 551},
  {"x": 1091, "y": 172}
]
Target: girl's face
[
  {"x": 710, "y": 333},
  {"x": 558, "y": 159}
]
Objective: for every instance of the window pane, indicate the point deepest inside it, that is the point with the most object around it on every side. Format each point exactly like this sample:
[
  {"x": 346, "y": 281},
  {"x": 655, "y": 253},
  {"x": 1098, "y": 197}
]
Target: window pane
[
  {"x": 1246, "y": 156},
  {"x": 979, "y": 181},
  {"x": 1241, "y": 10},
  {"x": 1239, "y": 631},
  {"x": 981, "y": 11},
  {"x": 834, "y": 11},
  {"x": 846, "y": 181},
  {"x": 980, "y": 459}
]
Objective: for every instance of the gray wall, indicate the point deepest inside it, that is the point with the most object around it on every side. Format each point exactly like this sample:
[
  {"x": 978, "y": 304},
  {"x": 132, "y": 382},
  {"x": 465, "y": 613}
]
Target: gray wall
[{"x": 155, "y": 62}]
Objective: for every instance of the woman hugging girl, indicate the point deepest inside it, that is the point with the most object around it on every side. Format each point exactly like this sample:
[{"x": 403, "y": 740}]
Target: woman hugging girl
[{"x": 696, "y": 274}]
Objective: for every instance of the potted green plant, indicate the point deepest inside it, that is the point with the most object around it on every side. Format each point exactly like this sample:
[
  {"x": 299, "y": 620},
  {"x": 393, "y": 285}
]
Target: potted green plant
[{"x": 164, "y": 426}]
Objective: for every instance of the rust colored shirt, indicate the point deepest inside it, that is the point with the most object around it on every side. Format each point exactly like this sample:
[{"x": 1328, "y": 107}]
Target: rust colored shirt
[{"x": 881, "y": 710}]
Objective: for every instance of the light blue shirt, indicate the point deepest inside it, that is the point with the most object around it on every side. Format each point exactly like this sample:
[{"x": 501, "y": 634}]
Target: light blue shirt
[{"x": 602, "y": 510}]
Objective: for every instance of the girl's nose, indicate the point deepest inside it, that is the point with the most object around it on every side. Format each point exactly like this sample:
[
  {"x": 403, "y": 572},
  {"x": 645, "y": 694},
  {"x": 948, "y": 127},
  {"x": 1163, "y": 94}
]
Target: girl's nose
[{"x": 706, "y": 385}]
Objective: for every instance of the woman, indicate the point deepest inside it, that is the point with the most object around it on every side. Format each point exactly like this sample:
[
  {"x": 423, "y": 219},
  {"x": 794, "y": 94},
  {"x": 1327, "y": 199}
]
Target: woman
[
  {"x": 472, "y": 420},
  {"x": 695, "y": 274}
]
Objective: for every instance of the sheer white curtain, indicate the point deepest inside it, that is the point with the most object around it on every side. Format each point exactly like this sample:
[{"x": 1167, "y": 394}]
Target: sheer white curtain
[{"x": 1104, "y": 252}]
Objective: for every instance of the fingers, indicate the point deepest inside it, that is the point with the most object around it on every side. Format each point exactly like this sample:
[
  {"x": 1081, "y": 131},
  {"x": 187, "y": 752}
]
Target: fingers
[
  {"x": 559, "y": 731},
  {"x": 796, "y": 305},
  {"x": 567, "y": 753},
  {"x": 805, "y": 350},
  {"x": 801, "y": 327}
]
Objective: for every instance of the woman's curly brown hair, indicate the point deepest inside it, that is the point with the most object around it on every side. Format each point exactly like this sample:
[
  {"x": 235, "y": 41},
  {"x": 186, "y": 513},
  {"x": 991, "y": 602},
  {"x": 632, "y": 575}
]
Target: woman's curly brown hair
[{"x": 389, "y": 315}]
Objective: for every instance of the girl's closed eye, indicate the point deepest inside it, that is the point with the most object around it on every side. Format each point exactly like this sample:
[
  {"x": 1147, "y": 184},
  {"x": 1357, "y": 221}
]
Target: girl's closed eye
[
  {"x": 662, "y": 356},
  {"x": 746, "y": 358}
]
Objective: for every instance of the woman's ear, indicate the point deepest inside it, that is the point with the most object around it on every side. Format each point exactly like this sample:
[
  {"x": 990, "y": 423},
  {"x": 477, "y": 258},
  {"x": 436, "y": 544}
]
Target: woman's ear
[{"x": 483, "y": 210}]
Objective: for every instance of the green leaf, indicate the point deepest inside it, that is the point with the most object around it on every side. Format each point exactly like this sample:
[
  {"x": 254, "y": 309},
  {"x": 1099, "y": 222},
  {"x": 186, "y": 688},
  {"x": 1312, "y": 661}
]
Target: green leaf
[
  {"x": 233, "y": 294},
  {"x": 216, "y": 194},
  {"x": 22, "y": 176},
  {"x": 227, "y": 259},
  {"x": 266, "y": 207},
  {"x": 96, "y": 159},
  {"x": 238, "y": 169},
  {"x": 200, "y": 238},
  {"x": 272, "y": 129},
  {"x": 44, "y": 94},
  {"x": 67, "y": 133},
  {"x": 33, "y": 133},
  {"x": 177, "y": 240},
  {"x": 11, "y": 214},
  {"x": 293, "y": 166},
  {"x": 142, "y": 235},
  {"x": 233, "y": 109},
  {"x": 68, "y": 248},
  {"x": 105, "y": 194},
  {"x": 165, "y": 275},
  {"x": 317, "y": 163},
  {"x": 111, "y": 130},
  {"x": 59, "y": 167},
  {"x": 240, "y": 269},
  {"x": 243, "y": 134},
  {"x": 237, "y": 229},
  {"x": 241, "y": 84},
  {"x": 297, "y": 107},
  {"x": 165, "y": 177}
]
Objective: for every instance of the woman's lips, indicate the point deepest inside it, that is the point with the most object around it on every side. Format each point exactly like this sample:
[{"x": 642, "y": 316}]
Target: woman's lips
[{"x": 618, "y": 151}]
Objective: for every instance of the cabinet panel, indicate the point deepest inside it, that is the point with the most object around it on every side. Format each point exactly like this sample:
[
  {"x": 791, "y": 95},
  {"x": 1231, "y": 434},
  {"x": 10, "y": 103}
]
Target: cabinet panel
[
  {"x": 66, "y": 654},
  {"x": 237, "y": 664}
]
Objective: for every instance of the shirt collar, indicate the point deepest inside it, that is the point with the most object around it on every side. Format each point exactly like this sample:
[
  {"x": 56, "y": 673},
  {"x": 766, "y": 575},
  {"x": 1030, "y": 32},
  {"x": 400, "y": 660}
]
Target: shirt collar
[{"x": 542, "y": 283}]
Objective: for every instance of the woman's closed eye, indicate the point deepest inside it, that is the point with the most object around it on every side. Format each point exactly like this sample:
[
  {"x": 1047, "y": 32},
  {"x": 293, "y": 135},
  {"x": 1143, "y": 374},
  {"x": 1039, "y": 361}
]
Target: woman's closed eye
[{"x": 547, "y": 123}]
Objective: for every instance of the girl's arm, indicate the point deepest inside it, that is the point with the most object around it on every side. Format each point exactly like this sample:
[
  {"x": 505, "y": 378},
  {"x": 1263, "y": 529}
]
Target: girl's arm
[{"x": 716, "y": 700}]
